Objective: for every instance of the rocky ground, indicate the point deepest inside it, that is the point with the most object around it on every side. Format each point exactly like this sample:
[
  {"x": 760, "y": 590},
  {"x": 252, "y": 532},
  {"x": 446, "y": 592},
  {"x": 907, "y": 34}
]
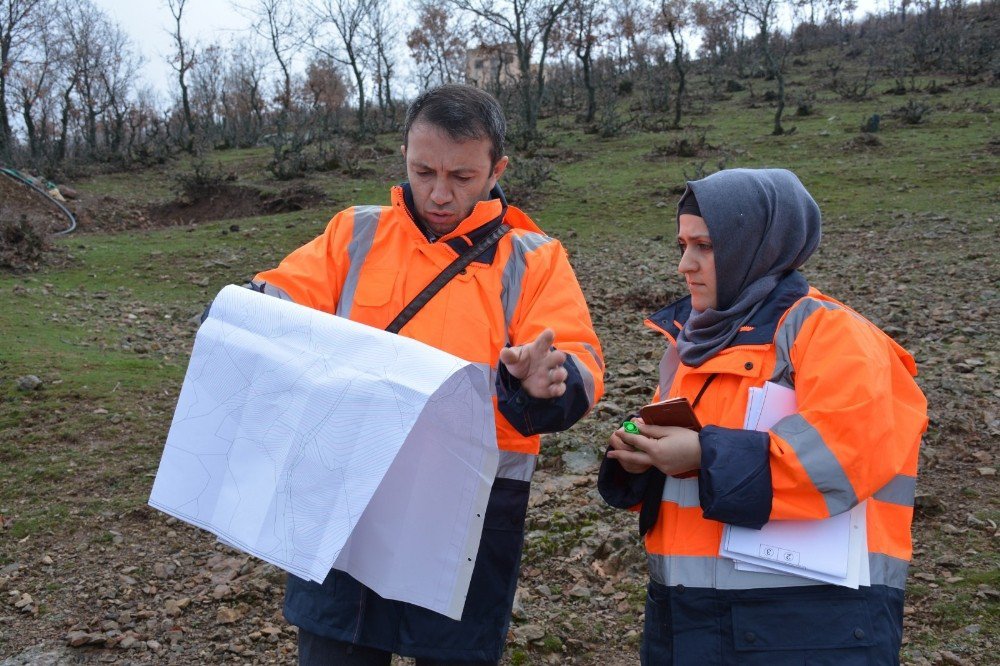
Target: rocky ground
[{"x": 128, "y": 585}]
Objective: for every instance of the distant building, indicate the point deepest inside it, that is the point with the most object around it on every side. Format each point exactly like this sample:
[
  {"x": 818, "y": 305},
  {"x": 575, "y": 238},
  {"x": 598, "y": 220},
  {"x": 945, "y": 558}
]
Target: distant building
[{"x": 492, "y": 66}]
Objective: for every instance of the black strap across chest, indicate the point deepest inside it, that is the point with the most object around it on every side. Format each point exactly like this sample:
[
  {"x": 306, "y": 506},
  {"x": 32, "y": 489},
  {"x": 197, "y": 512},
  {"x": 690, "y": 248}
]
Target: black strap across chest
[{"x": 445, "y": 276}]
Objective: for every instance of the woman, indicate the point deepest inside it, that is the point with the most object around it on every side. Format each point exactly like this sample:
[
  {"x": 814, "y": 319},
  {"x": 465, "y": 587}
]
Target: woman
[{"x": 752, "y": 318}]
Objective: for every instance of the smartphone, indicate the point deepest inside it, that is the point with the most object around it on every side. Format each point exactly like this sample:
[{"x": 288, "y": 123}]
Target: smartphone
[{"x": 672, "y": 412}]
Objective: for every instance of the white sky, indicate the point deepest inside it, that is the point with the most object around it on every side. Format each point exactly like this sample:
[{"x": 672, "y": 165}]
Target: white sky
[{"x": 148, "y": 23}]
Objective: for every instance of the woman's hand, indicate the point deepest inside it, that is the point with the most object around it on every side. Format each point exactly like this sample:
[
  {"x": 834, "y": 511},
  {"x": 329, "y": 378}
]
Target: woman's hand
[{"x": 671, "y": 450}]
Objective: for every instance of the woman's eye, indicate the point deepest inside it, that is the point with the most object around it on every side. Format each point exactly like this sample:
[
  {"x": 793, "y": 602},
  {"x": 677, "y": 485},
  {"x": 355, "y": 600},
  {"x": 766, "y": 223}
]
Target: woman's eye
[{"x": 705, "y": 247}]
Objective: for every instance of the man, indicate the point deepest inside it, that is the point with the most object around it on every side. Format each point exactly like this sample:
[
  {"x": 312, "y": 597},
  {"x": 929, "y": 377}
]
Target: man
[{"x": 517, "y": 309}]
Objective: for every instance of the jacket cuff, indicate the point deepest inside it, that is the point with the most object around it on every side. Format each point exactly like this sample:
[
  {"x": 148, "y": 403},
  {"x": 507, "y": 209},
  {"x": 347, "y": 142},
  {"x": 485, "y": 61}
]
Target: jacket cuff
[
  {"x": 619, "y": 488},
  {"x": 534, "y": 416},
  {"x": 735, "y": 476}
]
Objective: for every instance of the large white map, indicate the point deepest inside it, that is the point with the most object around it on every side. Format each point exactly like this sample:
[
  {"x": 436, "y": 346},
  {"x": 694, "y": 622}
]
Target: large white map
[{"x": 314, "y": 442}]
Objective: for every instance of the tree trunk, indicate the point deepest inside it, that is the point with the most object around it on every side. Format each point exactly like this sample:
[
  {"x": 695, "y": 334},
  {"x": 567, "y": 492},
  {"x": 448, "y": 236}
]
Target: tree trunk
[{"x": 588, "y": 82}]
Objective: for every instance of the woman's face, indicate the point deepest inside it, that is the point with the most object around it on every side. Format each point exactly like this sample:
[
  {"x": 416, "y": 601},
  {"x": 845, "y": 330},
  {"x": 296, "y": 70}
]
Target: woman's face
[{"x": 697, "y": 263}]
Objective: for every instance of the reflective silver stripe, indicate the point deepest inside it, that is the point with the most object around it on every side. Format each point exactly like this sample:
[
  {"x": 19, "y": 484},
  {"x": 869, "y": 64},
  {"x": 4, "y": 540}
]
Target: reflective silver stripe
[
  {"x": 887, "y": 570},
  {"x": 683, "y": 492},
  {"x": 720, "y": 573},
  {"x": 668, "y": 368},
  {"x": 588, "y": 377},
  {"x": 593, "y": 352},
  {"x": 269, "y": 290},
  {"x": 365, "y": 223},
  {"x": 785, "y": 336},
  {"x": 513, "y": 272},
  {"x": 714, "y": 572},
  {"x": 900, "y": 490},
  {"x": 517, "y": 466},
  {"x": 819, "y": 463}
]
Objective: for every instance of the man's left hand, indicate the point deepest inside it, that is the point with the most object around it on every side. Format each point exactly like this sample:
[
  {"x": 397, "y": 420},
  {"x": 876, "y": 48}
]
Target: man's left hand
[{"x": 538, "y": 366}]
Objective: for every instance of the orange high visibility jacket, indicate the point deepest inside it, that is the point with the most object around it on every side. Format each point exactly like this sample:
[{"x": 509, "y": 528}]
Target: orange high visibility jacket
[
  {"x": 855, "y": 437},
  {"x": 372, "y": 260}
]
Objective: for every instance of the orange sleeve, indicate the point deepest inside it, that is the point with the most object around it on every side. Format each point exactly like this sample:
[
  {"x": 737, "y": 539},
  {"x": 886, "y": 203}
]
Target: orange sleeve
[
  {"x": 314, "y": 274},
  {"x": 551, "y": 298},
  {"x": 859, "y": 421}
]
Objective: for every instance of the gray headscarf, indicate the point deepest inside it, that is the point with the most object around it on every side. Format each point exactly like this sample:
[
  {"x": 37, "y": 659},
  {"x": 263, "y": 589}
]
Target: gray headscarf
[{"x": 763, "y": 225}]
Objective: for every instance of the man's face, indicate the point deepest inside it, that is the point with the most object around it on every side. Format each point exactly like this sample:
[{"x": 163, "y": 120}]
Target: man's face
[{"x": 447, "y": 177}]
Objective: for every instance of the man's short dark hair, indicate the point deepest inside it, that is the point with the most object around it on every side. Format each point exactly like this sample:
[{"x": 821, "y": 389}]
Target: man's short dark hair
[{"x": 464, "y": 112}]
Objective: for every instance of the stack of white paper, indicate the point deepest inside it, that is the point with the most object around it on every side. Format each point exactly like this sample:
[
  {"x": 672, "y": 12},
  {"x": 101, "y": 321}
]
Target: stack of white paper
[
  {"x": 833, "y": 550},
  {"x": 314, "y": 442}
]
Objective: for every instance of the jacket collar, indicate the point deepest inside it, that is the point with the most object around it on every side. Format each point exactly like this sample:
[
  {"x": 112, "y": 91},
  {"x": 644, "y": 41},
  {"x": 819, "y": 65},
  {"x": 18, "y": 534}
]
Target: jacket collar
[
  {"x": 485, "y": 217},
  {"x": 758, "y": 331}
]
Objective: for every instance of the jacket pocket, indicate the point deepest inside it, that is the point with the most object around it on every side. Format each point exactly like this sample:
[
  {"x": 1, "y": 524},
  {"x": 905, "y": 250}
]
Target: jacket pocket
[
  {"x": 815, "y": 630},
  {"x": 373, "y": 296}
]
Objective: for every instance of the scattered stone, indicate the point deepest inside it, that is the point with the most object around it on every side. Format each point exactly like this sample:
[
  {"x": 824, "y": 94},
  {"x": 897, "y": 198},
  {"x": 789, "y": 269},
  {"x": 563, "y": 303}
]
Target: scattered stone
[
  {"x": 953, "y": 659},
  {"x": 226, "y": 615},
  {"x": 221, "y": 592},
  {"x": 528, "y": 633},
  {"x": 161, "y": 570},
  {"x": 77, "y": 638},
  {"x": 29, "y": 383},
  {"x": 987, "y": 471},
  {"x": 580, "y": 462},
  {"x": 172, "y": 607},
  {"x": 928, "y": 504}
]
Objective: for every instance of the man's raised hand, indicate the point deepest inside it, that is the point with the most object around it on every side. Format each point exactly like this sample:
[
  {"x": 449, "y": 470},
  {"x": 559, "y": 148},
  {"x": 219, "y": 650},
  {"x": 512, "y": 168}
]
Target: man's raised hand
[{"x": 538, "y": 366}]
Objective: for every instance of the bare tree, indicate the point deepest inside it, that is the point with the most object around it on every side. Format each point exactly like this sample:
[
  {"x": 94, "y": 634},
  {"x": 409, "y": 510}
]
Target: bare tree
[
  {"x": 87, "y": 34},
  {"x": 241, "y": 97},
  {"x": 381, "y": 33},
  {"x": 674, "y": 16},
  {"x": 117, "y": 74},
  {"x": 437, "y": 44},
  {"x": 347, "y": 19},
  {"x": 277, "y": 22},
  {"x": 325, "y": 90},
  {"x": 20, "y": 22},
  {"x": 182, "y": 63},
  {"x": 33, "y": 82},
  {"x": 528, "y": 24},
  {"x": 205, "y": 89},
  {"x": 585, "y": 20},
  {"x": 764, "y": 14}
]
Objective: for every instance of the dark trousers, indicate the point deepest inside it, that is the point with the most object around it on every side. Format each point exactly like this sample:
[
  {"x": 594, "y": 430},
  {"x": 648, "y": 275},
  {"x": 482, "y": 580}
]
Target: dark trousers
[{"x": 316, "y": 650}]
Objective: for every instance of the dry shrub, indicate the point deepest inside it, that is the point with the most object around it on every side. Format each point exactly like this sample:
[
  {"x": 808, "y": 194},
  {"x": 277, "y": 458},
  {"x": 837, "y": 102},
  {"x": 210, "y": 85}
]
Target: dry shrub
[{"x": 22, "y": 247}]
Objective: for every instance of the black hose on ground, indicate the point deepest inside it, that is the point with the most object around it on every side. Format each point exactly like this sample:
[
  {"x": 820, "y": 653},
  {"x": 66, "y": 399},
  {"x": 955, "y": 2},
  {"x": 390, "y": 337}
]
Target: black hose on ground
[{"x": 17, "y": 177}]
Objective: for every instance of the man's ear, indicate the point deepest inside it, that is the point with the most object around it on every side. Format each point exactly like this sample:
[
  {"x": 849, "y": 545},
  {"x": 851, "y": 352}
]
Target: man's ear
[{"x": 499, "y": 168}]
